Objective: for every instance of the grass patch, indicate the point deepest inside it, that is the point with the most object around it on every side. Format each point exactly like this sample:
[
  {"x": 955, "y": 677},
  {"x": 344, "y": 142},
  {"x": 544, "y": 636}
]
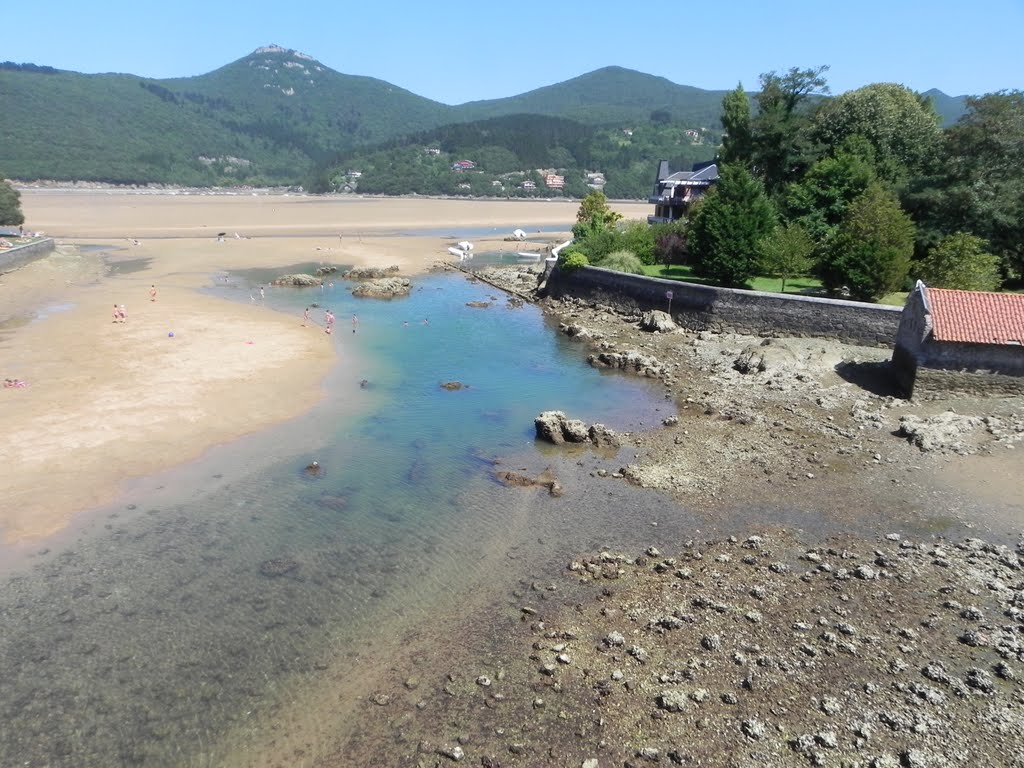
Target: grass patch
[{"x": 800, "y": 286}]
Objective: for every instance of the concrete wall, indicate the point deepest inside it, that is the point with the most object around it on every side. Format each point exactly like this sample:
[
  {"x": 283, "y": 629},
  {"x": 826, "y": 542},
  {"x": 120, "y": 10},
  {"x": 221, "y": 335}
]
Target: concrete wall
[
  {"x": 701, "y": 307},
  {"x": 20, "y": 255}
]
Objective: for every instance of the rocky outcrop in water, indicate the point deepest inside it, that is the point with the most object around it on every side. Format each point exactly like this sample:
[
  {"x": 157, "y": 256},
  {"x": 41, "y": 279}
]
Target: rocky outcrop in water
[
  {"x": 371, "y": 273},
  {"x": 556, "y": 428},
  {"x": 631, "y": 361},
  {"x": 384, "y": 288},
  {"x": 299, "y": 280},
  {"x": 545, "y": 479}
]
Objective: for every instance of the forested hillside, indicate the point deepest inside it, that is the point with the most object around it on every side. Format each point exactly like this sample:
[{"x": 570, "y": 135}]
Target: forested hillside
[
  {"x": 508, "y": 154},
  {"x": 278, "y": 116}
]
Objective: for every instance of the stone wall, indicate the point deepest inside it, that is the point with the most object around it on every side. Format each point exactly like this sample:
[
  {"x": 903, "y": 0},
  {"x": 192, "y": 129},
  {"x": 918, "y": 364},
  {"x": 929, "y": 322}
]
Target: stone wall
[
  {"x": 701, "y": 307},
  {"x": 932, "y": 384},
  {"x": 21, "y": 255}
]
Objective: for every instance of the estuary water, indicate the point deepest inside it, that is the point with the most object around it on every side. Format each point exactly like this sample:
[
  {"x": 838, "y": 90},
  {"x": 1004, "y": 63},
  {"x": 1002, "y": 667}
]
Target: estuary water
[{"x": 185, "y": 625}]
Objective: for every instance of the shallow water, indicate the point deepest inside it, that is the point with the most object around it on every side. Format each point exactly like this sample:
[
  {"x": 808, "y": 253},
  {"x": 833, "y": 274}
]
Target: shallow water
[{"x": 180, "y": 626}]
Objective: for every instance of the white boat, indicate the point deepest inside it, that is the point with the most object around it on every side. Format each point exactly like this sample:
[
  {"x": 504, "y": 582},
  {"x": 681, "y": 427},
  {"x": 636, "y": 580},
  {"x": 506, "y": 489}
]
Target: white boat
[
  {"x": 529, "y": 256},
  {"x": 457, "y": 252},
  {"x": 466, "y": 245}
]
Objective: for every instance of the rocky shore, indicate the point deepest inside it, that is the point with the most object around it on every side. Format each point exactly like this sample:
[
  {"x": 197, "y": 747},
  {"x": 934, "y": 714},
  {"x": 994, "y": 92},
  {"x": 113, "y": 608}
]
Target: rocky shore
[{"x": 892, "y": 637}]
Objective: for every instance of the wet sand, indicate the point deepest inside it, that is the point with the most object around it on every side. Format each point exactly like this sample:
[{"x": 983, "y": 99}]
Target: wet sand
[{"x": 108, "y": 401}]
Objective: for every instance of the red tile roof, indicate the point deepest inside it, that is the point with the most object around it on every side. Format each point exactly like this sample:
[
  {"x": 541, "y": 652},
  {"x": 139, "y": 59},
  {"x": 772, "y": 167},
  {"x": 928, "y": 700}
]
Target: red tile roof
[{"x": 975, "y": 317}]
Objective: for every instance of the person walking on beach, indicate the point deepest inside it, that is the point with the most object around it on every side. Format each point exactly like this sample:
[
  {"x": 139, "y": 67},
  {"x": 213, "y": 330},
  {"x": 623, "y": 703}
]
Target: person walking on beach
[
  {"x": 262, "y": 294},
  {"x": 329, "y": 319},
  {"x": 122, "y": 313},
  {"x": 117, "y": 314},
  {"x": 152, "y": 293},
  {"x": 305, "y": 318}
]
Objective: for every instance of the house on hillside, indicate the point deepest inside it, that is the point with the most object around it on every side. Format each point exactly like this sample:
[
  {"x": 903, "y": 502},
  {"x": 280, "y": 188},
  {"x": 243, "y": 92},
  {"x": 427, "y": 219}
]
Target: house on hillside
[
  {"x": 960, "y": 341},
  {"x": 463, "y": 165},
  {"x": 675, "y": 192},
  {"x": 528, "y": 185},
  {"x": 554, "y": 181}
]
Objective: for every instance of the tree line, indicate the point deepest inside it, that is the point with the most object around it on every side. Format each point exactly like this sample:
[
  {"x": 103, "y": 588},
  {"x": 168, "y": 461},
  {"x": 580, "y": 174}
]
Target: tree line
[{"x": 864, "y": 191}]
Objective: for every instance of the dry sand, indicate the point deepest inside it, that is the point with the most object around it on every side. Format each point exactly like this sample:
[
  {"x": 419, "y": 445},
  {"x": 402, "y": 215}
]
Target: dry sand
[{"x": 106, "y": 402}]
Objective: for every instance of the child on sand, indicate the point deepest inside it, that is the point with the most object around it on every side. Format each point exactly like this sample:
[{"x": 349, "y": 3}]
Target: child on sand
[
  {"x": 152, "y": 293},
  {"x": 305, "y": 318}
]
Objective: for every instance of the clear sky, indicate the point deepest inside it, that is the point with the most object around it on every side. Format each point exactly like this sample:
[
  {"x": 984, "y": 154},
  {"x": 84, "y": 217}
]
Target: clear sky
[{"x": 462, "y": 50}]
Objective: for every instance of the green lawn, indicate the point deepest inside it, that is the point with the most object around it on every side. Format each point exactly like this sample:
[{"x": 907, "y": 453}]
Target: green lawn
[{"x": 807, "y": 286}]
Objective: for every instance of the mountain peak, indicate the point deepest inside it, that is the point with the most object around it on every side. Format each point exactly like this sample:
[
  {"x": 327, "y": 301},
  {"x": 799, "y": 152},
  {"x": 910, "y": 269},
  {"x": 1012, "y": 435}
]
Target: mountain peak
[{"x": 272, "y": 48}]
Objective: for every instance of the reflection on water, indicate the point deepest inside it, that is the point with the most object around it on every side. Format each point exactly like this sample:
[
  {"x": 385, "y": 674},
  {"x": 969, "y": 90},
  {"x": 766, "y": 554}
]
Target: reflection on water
[{"x": 164, "y": 630}]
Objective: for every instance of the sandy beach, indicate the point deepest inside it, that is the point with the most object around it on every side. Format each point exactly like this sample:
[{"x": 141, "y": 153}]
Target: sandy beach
[{"x": 108, "y": 401}]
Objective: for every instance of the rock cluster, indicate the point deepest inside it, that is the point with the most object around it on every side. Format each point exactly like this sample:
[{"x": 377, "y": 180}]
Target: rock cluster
[{"x": 555, "y": 427}]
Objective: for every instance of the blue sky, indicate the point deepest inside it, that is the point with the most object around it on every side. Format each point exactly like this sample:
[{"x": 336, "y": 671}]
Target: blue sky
[{"x": 458, "y": 51}]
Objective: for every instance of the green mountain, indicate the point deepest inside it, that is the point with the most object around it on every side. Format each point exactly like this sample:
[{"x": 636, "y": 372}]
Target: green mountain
[
  {"x": 949, "y": 108},
  {"x": 271, "y": 117},
  {"x": 606, "y": 96},
  {"x": 265, "y": 118}
]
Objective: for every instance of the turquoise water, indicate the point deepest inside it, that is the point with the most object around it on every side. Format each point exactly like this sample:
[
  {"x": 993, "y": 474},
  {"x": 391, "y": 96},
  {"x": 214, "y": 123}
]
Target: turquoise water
[{"x": 182, "y": 626}]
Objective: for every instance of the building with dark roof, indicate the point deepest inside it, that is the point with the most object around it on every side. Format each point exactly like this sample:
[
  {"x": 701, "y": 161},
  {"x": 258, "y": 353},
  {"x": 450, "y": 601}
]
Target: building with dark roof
[
  {"x": 675, "y": 192},
  {"x": 960, "y": 341}
]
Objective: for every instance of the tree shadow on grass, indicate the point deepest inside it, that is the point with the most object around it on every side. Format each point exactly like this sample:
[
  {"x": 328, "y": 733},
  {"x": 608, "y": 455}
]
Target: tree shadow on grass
[{"x": 877, "y": 378}]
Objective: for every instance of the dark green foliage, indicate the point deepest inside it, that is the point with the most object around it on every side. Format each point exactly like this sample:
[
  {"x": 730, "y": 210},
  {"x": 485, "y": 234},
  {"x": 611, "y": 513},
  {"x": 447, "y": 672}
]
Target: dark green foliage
[
  {"x": 961, "y": 261},
  {"x": 781, "y": 144},
  {"x": 871, "y": 250},
  {"x": 976, "y": 184},
  {"x": 11, "y": 66},
  {"x": 819, "y": 201},
  {"x": 10, "y": 206},
  {"x": 737, "y": 145},
  {"x": 727, "y": 225}
]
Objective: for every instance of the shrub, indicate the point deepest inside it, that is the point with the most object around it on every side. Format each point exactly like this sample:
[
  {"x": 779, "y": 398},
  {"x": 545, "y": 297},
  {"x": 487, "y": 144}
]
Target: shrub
[
  {"x": 569, "y": 261},
  {"x": 960, "y": 261},
  {"x": 638, "y": 237},
  {"x": 622, "y": 261}
]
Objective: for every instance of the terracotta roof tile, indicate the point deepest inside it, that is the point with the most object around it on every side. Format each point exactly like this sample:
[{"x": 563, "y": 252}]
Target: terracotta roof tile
[{"x": 975, "y": 317}]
